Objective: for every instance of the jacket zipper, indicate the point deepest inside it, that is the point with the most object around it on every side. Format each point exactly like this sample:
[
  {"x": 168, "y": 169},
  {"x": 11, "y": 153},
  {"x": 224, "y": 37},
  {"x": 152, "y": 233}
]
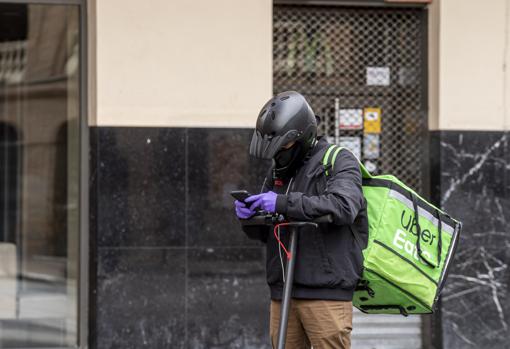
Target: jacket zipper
[{"x": 279, "y": 247}]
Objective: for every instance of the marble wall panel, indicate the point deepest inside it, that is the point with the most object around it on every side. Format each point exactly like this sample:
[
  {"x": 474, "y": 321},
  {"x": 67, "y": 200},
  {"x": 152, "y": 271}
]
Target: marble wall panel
[{"x": 475, "y": 188}]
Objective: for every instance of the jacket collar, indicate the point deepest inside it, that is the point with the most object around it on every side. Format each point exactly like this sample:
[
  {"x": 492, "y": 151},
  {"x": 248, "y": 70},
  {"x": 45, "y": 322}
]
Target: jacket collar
[{"x": 319, "y": 146}]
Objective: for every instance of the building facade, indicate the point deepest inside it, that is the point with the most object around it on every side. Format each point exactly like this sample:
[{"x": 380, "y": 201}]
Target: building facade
[{"x": 125, "y": 125}]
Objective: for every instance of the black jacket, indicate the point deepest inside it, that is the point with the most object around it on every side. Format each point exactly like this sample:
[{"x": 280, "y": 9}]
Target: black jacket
[{"x": 329, "y": 259}]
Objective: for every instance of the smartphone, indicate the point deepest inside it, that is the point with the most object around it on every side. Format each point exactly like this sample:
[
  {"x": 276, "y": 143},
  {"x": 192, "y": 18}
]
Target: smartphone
[{"x": 240, "y": 195}]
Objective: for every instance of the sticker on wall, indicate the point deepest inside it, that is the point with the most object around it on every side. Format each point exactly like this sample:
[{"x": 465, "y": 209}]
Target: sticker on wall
[
  {"x": 370, "y": 166},
  {"x": 350, "y": 119},
  {"x": 408, "y": 76},
  {"x": 371, "y": 146},
  {"x": 378, "y": 76},
  {"x": 372, "y": 120},
  {"x": 353, "y": 144}
]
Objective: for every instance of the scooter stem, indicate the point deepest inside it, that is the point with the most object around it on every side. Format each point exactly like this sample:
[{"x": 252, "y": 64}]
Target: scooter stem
[{"x": 287, "y": 290}]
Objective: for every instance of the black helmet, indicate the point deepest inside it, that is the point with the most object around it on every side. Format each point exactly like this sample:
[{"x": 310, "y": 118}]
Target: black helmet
[{"x": 285, "y": 118}]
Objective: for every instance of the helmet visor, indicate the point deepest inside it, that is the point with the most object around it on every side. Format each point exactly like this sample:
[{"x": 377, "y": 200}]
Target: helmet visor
[{"x": 265, "y": 147}]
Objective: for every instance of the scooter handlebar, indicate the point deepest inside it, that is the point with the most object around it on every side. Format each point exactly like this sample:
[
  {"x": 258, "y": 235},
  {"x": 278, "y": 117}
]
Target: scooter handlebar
[
  {"x": 324, "y": 219},
  {"x": 274, "y": 219}
]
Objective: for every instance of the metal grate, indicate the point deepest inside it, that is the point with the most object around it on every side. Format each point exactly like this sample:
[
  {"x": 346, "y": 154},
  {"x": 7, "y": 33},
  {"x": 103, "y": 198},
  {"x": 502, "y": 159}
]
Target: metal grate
[{"x": 359, "y": 58}]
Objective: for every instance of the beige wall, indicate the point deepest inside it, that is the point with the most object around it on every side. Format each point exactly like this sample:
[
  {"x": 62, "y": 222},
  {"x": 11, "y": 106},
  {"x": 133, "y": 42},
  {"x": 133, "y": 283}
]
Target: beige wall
[
  {"x": 506, "y": 85},
  {"x": 203, "y": 63},
  {"x": 434, "y": 27},
  {"x": 181, "y": 63},
  {"x": 469, "y": 84}
]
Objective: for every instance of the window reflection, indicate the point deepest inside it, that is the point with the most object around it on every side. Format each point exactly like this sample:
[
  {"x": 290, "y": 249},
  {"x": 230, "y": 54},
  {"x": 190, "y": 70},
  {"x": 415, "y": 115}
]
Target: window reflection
[{"x": 39, "y": 164}]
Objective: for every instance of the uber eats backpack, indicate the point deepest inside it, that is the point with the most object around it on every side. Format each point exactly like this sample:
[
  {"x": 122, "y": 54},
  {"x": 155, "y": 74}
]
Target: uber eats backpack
[{"x": 410, "y": 246}]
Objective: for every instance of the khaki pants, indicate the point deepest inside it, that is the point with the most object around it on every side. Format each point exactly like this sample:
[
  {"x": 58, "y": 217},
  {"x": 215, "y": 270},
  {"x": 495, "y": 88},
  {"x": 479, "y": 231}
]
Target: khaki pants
[{"x": 317, "y": 323}]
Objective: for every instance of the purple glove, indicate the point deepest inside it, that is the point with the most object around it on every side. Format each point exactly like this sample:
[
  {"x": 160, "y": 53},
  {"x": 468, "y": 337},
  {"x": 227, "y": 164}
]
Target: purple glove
[
  {"x": 266, "y": 201},
  {"x": 242, "y": 211}
]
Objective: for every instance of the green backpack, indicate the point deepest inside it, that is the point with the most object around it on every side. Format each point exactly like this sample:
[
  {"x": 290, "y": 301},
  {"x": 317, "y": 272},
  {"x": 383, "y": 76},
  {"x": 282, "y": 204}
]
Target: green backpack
[{"x": 410, "y": 246}]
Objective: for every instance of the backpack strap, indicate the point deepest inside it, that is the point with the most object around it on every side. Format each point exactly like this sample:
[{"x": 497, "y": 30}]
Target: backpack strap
[
  {"x": 326, "y": 159},
  {"x": 329, "y": 158},
  {"x": 418, "y": 236}
]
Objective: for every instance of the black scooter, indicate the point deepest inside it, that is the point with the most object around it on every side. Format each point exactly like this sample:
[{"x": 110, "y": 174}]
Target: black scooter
[{"x": 294, "y": 228}]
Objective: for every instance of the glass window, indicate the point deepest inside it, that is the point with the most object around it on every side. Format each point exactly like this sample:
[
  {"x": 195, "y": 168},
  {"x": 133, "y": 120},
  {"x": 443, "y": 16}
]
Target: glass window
[{"x": 39, "y": 175}]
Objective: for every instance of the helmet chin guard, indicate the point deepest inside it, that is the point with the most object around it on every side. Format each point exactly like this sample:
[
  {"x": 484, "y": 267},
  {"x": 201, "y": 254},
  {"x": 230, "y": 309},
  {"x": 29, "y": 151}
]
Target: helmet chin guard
[{"x": 266, "y": 147}]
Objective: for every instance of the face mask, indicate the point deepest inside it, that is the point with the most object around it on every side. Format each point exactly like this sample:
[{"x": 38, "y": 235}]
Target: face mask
[{"x": 285, "y": 157}]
